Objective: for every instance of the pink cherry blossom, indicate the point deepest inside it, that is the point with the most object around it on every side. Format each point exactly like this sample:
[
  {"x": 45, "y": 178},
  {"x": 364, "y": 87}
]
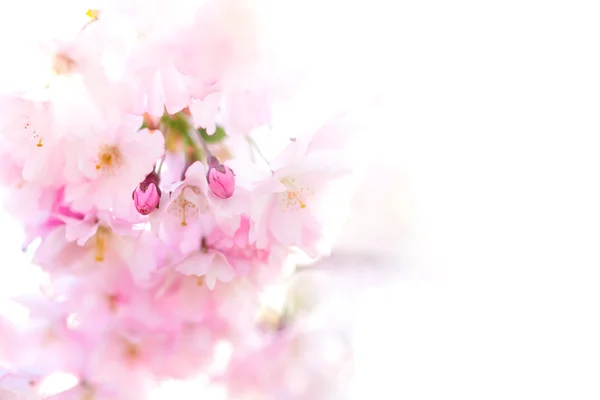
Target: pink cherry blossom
[
  {"x": 21, "y": 386},
  {"x": 156, "y": 243},
  {"x": 209, "y": 264},
  {"x": 85, "y": 390},
  {"x": 193, "y": 209},
  {"x": 184, "y": 211},
  {"x": 319, "y": 358},
  {"x": 112, "y": 167},
  {"x": 26, "y": 125},
  {"x": 286, "y": 202},
  {"x": 80, "y": 247}
]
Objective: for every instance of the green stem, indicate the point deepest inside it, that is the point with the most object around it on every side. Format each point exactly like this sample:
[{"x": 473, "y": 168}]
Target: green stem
[
  {"x": 254, "y": 146},
  {"x": 202, "y": 142},
  {"x": 190, "y": 143}
]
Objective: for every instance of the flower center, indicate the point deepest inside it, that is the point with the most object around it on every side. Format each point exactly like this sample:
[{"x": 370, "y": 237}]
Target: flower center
[
  {"x": 109, "y": 158},
  {"x": 184, "y": 208},
  {"x": 295, "y": 197},
  {"x": 63, "y": 65},
  {"x": 113, "y": 302},
  {"x": 50, "y": 336},
  {"x": 88, "y": 391},
  {"x": 132, "y": 352},
  {"x": 88, "y": 394},
  {"x": 27, "y": 126}
]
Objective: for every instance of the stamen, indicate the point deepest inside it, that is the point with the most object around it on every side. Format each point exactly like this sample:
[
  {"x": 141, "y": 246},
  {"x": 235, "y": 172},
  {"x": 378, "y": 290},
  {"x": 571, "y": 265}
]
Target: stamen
[
  {"x": 184, "y": 206},
  {"x": 113, "y": 302},
  {"x": 100, "y": 248},
  {"x": 109, "y": 158},
  {"x": 93, "y": 14},
  {"x": 295, "y": 197},
  {"x": 63, "y": 65},
  {"x": 132, "y": 351}
]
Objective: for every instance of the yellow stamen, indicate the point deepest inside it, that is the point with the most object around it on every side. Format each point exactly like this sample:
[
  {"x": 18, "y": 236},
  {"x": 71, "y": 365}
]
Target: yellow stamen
[
  {"x": 183, "y": 220},
  {"x": 39, "y": 143},
  {"x": 100, "y": 248},
  {"x": 182, "y": 208},
  {"x": 93, "y": 14},
  {"x": 109, "y": 158},
  {"x": 200, "y": 281},
  {"x": 294, "y": 195}
]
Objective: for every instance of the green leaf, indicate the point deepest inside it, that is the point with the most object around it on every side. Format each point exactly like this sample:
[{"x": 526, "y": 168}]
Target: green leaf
[{"x": 216, "y": 137}]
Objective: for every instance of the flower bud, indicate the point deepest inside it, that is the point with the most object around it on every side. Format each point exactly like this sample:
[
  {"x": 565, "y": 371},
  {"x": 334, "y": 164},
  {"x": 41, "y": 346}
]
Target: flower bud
[
  {"x": 147, "y": 195},
  {"x": 221, "y": 179}
]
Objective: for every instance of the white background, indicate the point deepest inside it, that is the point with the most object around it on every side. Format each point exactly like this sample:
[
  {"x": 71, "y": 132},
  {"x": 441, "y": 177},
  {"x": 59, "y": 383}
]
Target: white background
[
  {"x": 487, "y": 142},
  {"x": 494, "y": 111}
]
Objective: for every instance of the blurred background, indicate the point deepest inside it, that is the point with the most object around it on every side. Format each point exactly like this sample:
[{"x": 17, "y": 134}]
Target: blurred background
[{"x": 469, "y": 267}]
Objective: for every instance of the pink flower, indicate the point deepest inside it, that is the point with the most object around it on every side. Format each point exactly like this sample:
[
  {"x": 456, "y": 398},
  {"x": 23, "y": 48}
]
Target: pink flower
[
  {"x": 287, "y": 204},
  {"x": 26, "y": 127},
  {"x": 209, "y": 264},
  {"x": 47, "y": 344},
  {"x": 130, "y": 260},
  {"x": 192, "y": 209},
  {"x": 19, "y": 386},
  {"x": 221, "y": 179},
  {"x": 112, "y": 166},
  {"x": 9, "y": 337},
  {"x": 185, "y": 205},
  {"x": 85, "y": 390},
  {"x": 100, "y": 246},
  {"x": 248, "y": 260},
  {"x": 31, "y": 204},
  {"x": 226, "y": 41},
  {"x": 134, "y": 42},
  {"x": 304, "y": 365},
  {"x": 147, "y": 195}
]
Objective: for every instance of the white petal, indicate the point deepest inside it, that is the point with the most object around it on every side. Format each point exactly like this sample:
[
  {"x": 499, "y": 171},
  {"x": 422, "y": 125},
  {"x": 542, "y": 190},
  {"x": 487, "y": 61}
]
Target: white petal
[{"x": 196, "y": 264}]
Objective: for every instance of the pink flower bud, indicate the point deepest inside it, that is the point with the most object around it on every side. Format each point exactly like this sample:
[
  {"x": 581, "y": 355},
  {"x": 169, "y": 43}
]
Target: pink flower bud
[
  {"x": 221, "y": 179},
  {"x": 147, "y": 195}
]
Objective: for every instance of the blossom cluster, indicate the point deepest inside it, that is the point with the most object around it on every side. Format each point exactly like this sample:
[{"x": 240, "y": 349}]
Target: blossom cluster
[{"x": 133, "y": 164}]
